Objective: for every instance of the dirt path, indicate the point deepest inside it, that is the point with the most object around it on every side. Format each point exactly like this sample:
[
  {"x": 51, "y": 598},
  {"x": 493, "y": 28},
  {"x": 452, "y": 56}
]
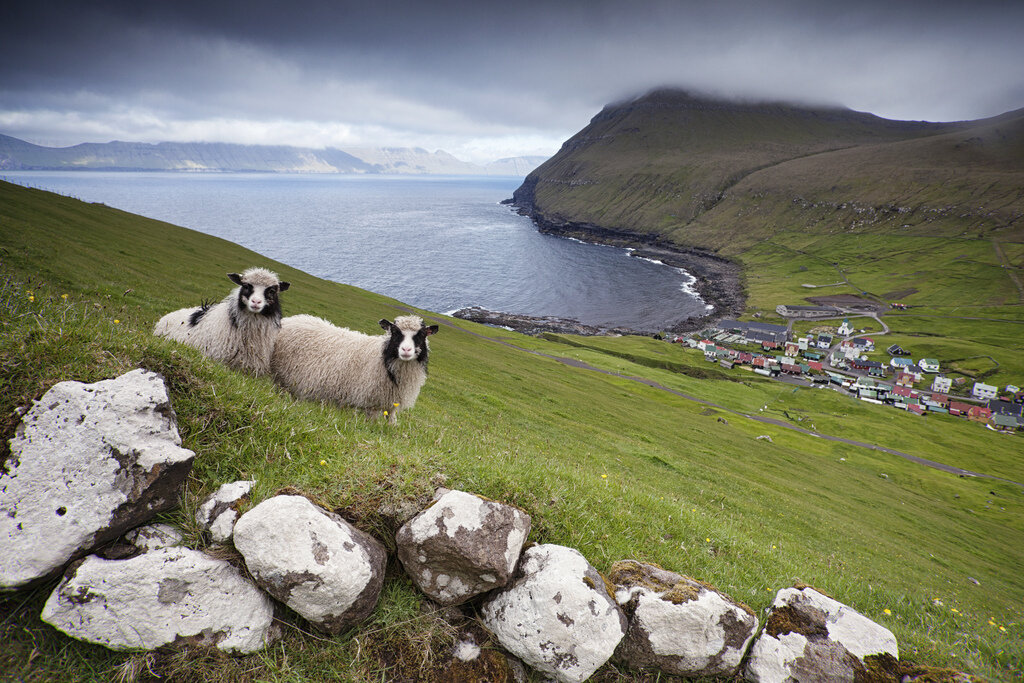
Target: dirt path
[{"x": 572, "y": 362}]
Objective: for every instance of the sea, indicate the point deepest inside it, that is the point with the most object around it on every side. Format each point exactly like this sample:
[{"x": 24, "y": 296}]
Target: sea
[{"x": 438, "y": 243}]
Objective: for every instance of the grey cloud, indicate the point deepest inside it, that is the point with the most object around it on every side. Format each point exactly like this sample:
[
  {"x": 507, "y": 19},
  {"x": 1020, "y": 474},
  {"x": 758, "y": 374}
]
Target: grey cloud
[{"x": 485, "y": 69}]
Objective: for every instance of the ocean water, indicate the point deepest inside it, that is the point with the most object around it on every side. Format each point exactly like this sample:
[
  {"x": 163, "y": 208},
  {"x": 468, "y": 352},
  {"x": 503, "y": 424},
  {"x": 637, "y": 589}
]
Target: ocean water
[{"x": 435, "y": 242}]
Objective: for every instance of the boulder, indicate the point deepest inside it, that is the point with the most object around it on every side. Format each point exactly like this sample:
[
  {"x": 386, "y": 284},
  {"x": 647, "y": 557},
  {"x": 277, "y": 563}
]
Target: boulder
[
  {"x": 312, "y": 560},
  {"x": 678, "y": 625},
  {"x": 810, "y": 636},
  {"x": 557, "y": 614},
  {"x": 153, "y": 537},
  {"x": 88, "y": 462},
  {"x": 461, "y": 546},
  {"x": 168, "y": 596},
  {"x": 218, "y": 512}
]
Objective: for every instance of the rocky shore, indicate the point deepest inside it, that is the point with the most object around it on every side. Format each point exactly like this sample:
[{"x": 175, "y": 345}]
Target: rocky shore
[{"x": 718, "y": 279}]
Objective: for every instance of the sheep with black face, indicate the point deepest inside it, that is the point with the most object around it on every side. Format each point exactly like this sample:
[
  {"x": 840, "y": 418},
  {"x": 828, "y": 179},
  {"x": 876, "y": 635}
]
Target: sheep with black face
[
  {"x": 240, "y": 330},
  {"x": 314, "y": 359}
]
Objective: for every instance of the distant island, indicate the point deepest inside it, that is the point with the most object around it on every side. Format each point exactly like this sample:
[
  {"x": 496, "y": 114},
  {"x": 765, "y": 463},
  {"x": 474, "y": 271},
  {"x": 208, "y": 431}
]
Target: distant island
[{"x": 18, "y": 155}]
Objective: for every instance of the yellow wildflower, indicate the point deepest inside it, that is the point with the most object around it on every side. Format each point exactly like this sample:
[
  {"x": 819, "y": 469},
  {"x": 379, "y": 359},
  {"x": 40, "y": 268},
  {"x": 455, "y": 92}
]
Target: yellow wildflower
[
  {"x": 604, "y": 476},
  {"x": 708, "y": 540},
  {"x": 31, "y": 298},
  {"x": 1003, "y": 629},
  {"x": 63, "y": 296},
  {"x": 323, "y": 462},
  {"x": 395, "y": 404},
  {"x": 886, "y": 611},
  {"x": 116, "y": 321},
  {"x": 385, "y": 413}
]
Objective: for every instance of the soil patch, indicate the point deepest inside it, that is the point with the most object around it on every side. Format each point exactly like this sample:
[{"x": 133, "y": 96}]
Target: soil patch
[
  {"x": 847, "y": 300},
  {"x": 900, "y": 294}
]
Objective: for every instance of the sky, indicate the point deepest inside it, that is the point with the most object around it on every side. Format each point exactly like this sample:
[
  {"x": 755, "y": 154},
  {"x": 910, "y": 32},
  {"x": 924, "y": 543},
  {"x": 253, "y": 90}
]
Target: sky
[{"x": 479, "y": 79}]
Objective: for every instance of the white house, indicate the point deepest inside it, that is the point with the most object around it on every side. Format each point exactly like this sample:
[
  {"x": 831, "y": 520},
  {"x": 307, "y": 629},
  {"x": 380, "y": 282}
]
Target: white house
[
  {"x": 928, "y": 365},
  {"x": 984, "y": 391},
  {"x": 942, "y": 385},
  {"x": 901, "y": 363},
  {"x": 846, "y": 329}
]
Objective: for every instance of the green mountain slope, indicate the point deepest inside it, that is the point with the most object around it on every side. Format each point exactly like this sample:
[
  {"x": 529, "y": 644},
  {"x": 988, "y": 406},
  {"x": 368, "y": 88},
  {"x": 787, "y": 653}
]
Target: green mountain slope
[
  {"x": 714, "y": 174},
  {"x": 596, "y": 439}
]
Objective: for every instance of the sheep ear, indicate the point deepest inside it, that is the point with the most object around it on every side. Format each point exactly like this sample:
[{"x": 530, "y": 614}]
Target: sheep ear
[
  {"x": 283, "y": 286},
  {"x": 385, "y": 324},
  {"x": 431, "y": 330},
  {"x": 235, "y": 277}
]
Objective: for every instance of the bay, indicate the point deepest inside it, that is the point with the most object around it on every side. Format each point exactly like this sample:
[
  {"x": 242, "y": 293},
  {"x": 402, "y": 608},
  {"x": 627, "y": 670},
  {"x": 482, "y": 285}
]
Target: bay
[{"x": 436, "y": 242}]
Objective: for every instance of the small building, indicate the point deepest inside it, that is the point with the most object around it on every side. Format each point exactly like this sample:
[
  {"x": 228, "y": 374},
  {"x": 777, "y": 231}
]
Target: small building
[
  {"x": 942, "y": 384},
  {"x": 928, "y": 365},
  {"x": 1005, "y": 423},
  {"x": 999, "y": 407},
  {"x": 905, "y": 378},
  {"x": 864, "y": 344},
  {"x": 979, "y": 414},
  {"x": 755, "y": 332},
  {"x": 788, "y": 311},
  {"x": 983, "y": 391},
  {"x": 846, "y": 329},
  {"x": 824, "y": 341},
  {"x": 792, "y": 348},
  {"x": 901, "y": 363},
  {"x": 959, "y": 408},
  {"x": 897, "y": 350}
]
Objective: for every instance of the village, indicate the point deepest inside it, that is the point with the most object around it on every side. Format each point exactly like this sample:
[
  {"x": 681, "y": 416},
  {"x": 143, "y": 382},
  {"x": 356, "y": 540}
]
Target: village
[{"x": 840, "y": 360}]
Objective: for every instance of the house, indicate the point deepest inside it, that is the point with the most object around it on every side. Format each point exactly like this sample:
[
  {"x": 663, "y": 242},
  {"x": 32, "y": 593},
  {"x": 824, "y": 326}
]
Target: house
[
  {"x": 1005, "y": 423},
  {"x": 983, "y": 391},
  {"x": 959, "y": 408},
  {"x": 979, "y": 414},
  {"x": 1006, "y": 408},
  {"x": 939, "y": 400},
  {"x": 901, "y": 363},
  {"x": 792, "y": 369},
  {"x": 1012, "y": 389},
  {"x": 864, "y": 344},
  {"x": 846, "y": 329},
  {"x": 928, "y": 365},
  {"x": 942, "y": 385},
  {"x": 792, "y": 348},
  {"x": 905, "y": 379},
  {"x": 897, "y": 350},
  {"x": 824, "y": 341},
  {"x": 916, "y": 409}
]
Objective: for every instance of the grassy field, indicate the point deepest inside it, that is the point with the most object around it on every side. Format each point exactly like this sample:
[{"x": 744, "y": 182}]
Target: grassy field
[{"x": 606, "y": 463}]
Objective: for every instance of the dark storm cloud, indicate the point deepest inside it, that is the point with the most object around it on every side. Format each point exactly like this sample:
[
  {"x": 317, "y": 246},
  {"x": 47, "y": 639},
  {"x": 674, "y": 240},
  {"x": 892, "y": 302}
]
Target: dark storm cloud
[{"x": 479, "y": 75}]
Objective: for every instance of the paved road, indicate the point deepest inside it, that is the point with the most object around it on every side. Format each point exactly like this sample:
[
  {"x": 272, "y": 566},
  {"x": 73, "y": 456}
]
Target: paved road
[{"x": 757, "y": 418}]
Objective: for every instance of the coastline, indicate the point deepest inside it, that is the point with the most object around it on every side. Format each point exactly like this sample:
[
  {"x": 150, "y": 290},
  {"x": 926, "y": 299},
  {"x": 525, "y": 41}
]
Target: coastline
[{"x": 718, "y": 280}]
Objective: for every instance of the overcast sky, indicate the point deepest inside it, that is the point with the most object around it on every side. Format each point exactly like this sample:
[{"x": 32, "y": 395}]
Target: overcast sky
[{"x": 478, "y": 78}]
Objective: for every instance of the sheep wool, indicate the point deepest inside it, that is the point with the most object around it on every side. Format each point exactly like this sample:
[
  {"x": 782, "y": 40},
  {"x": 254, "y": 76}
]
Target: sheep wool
[
  {"x": 240, "y": 330},
  {"x": 314, "y": 359}
]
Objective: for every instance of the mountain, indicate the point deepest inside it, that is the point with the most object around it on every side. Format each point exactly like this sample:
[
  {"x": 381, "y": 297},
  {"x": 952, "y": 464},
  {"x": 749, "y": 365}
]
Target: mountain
[
  {"x": 723, "y": 175},
  {"x": 17, "y": 154}
]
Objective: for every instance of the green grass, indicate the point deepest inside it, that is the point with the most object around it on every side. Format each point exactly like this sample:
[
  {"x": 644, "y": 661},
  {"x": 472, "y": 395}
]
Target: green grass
[{"x": 689, "y": 485}]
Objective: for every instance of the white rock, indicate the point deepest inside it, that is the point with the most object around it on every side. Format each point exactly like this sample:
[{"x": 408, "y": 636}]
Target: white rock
[
  {"x": 161, "y": 597},
  {"x": 810, "y": 636},
  {"x": 154, "y": 537},
  {"x": 312, "y": 560},
  {"x": 556, "y": 615},
  {"x": 678, "y": 625},
  {"x": 88, "y": 462},
  {"x": 461, "y": 546},
  {"x": 217, "y": 514}
]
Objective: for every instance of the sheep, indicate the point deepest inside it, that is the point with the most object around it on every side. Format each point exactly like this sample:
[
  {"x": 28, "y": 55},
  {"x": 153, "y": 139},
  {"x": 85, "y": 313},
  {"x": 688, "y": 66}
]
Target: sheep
[
  {"x": 240, "y": 329},
  {"x": 314, "y": 359}
]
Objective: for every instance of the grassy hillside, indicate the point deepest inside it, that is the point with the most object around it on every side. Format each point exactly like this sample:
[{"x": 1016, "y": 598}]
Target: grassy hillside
[{"x": 642, "y": 453}]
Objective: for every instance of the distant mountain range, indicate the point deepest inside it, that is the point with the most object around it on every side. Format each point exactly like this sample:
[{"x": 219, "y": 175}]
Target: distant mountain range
[
  {"x": 17, "y": 154},
  {"x": 727, "y": 175}
]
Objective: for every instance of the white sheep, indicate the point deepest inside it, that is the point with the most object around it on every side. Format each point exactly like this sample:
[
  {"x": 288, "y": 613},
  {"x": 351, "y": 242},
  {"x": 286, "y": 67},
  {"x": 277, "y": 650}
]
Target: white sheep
[
  {"x": 314, "y": 359},
  {"x": 240, "y": 329}
]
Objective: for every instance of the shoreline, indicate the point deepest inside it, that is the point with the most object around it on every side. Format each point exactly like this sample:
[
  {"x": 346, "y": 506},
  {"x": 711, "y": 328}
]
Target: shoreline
[{"x": 717, "y": 280}]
